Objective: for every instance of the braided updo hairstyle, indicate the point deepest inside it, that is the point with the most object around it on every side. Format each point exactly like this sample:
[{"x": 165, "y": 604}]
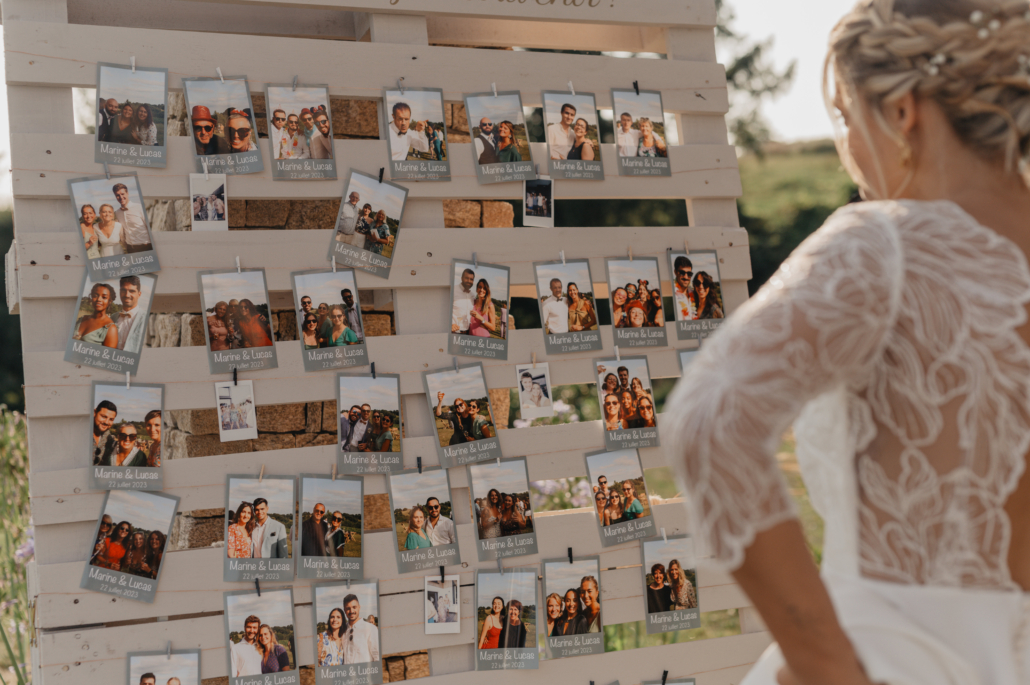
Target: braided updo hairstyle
[{"x": 969, "y": 56}]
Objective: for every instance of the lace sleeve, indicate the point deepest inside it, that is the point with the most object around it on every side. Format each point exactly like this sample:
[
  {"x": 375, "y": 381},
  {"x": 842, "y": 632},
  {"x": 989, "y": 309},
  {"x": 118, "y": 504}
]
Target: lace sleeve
[{"x": 816, "y": 324}]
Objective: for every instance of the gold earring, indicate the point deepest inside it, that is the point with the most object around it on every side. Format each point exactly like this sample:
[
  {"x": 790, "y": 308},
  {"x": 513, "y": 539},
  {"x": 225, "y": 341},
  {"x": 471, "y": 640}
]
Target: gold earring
[{"x": 906, "y": 156}]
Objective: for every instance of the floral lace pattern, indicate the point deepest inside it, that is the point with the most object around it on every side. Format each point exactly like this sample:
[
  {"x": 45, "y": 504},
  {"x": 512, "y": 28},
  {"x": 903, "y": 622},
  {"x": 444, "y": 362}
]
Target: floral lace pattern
[{"x": 892, "y": 331}]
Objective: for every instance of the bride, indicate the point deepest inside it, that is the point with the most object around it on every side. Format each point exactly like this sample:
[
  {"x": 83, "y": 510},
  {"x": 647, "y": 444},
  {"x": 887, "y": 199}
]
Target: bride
[{"x": 896, "y": 340}]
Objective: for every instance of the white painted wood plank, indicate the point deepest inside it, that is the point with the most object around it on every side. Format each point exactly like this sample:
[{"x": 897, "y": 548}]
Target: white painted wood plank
[
  {"x": 657, "y": 13},
  {"x": 52, "y": 263},
  {"x": 52, "y": 54},
  {"x": 482, "y": 32},
  {"x": 700, "y": 171}
]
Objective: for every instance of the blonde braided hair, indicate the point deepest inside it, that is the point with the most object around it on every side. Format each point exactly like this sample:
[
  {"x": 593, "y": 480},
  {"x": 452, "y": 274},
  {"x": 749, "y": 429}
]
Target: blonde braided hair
[{"x": 969, "y": 56}]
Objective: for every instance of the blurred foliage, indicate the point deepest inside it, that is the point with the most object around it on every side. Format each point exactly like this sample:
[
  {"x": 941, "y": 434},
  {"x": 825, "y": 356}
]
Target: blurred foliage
[
  {"x": 633, "y": 635},
  {"x": 16, "y": 548}
]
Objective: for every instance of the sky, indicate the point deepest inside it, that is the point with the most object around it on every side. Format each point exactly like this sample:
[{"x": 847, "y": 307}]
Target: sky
[
  {"x": 98, "y": 192},
  {"x": 617, "y": 466},
  {"x": 293, "y": 101},
  {"x": 661, "y": 552},
  {"x": 337, "y": 495},
  {"x": 577, "y": 272},
  {"x": 379, "y": 195},
  {"x": 643, "y": 105},
  {"x": 426, "y": 105},
  {"x": 637, "y": 369},
  {"x": 623, "y": 271},
  {"x": 520, "y": 585},
  {"x": 467, "y": 383},
  {"x": 249, "y": 285},
  {"x": 274, "y": 607},
  {"x": 278, "y": 492},
  {"x": 585, "y": 106},
  {"x": 409, "y": 488},
  {"x": 561, "y": 575},
  {"x": 381, "y": 392},
  {"x": 218, "y": 96},
  {"x": 508, "y": 476},
  {"x": 329, "y": 597},
  {"x": 141, "y": 86},
  {"x": 146, "y": 510},
  {"x": 496, "y": 278},
  {"x": 702, "y": 261},
  {"x": 324, "y": 287},
  {"x": 497, "y": 109},
  {"x": 185, "y": 667},
  {"x": 133, "y": 403}
]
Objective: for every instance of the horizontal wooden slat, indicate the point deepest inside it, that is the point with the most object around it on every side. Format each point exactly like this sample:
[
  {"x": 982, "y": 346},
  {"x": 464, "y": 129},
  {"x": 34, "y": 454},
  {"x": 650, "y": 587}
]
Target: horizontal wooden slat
[
  {"x": 51, "y": 264},
  {"x": 63, "y": 496},
  {"x": 701, "y": 171},
  {"x": 64, "y": 55}
]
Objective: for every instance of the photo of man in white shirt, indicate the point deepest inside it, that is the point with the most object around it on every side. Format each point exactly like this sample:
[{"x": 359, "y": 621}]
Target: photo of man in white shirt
[
  {"x": 133, "y": 220},
  {"x": 402, "y": 136},
  {"x": 131, "y": 324},
  {"x": 461, "y": 312},
  {"x": 560, "y": 136},
  {"x": 245, "y": 654},
  {"x": 361, "y": 640},
  {"x": 556, "y": 310},
  {"x": 349, "y": 215}
]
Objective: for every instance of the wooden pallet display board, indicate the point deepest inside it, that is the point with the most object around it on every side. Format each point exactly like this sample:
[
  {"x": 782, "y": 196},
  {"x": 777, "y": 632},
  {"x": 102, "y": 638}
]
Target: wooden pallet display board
[{"x": 83, "y": 637}]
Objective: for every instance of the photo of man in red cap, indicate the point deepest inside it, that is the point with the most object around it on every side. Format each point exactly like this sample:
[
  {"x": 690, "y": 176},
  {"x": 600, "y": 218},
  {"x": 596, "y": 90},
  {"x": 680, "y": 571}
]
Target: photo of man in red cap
[{"x": 204, "y": 126}]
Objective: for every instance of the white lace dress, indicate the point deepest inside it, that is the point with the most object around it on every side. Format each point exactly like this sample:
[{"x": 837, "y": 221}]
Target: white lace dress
[{"x": 890, "y": 335}]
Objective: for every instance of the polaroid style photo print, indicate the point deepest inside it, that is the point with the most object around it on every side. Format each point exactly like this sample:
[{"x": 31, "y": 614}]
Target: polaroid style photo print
[
  {"x": 300, "y": 132},
  {"x": 500, "y": 143},
  {"x": 465, "y": 426},
  {"x": 534, "y": 384},
  {"x": 504, "y": 515},
  {"x": 258, "y": 528},
  {"x": 620, "y": 477},
  {"x": 175, "y": 667},
  {"x": 346, "y": 618},
  {"x": 129, "y": 544},
  {"x": 368, "y": 224},
  {"x": 224, "y": 129},
  {"x": 640, "y": 133},
  {"x": 568, "y": 314},
  {"x": 369, "y": 437},
  {"x": 638, "y": 310},
  {"x": 261, "y": 637},
  {"x": 237, "y": 414},
  {"x": 573, "y": 138},
  {"x": 239, "y": 320},
  {"x": 479, "y": 309},
  {"x": 627, "y": 403},
  {"x": 125, "y": 434},
  {"x": 443, "y": 605},
  {"x": 572, "y": 603},
  {"x": 110, "y": 323},
  {"x": 113, "y": 225},
  {"x": 686, "y": 357},
  {"x": 210, "y": 202},
  {"x": 329, "y": 323},
  {"x": 131, "y": 106},
  {"x": 416, "y": 134},
  {"x": 670, "y": 584},
  {"x": 697, "y": 293},
  {"x": 507, "y": 611},
  {"x": 423, "y": 517},
  {"x": 538, "y": 202},
  {"x": 331, "y": 532}
]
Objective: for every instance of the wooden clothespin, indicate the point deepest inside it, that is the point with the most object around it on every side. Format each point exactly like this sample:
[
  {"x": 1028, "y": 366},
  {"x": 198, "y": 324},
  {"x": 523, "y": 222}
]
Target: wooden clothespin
[
  {"x": 334, "y": 263},
  {"x": 617, "y": 357},
  {"x": 571, "y": 89},
  {"x": 664, "y": 538},
  {"x": 168, "y": 652},
  {"x": 295, "y": 83},
  {"x": 419, "y": 461},
  {"x": 494, "y": 87},
  {"x": 107, "y": 171},
  {"x": 261, "y": 476},
  {"x": 441, "y": 574},
  {"x": 257, "y": 585},
  {"x": 455, "y": 365},
  {"x": 570, "y": 555},
  {"x": 238, "y": 264},
  {"x": 381, "y": 170},
  {"x": 665, "y": 675},
  {"x": 235, "y": 379},
  {"x": 334, "y": 472},
  {"x": 219, "y": 71},
  {"x": 132, "y": 61},
  {"x": 499, "y": 567},
  {"x": 203, "y": 160},
  {"x": 534, "y": 360},
  {"x": 126, "y": 380},
  {"x": 636, "y": 87},
  {"x": 373, "y": 370},
  {"x": 400, "y": 85}
]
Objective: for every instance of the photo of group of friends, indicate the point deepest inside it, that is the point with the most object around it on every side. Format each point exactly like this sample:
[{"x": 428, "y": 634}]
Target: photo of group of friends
[
  {"x": 479, "y": 309},
  {"x": 126, "y": 425},
  {"x": 261, "y": 634},
  {"x": 416, "y": 133},
  {"x": 461, "y": 405},
  {"x": 506, "y": 617},
  {"x": 572, "y": 604},
  {"x": 328, "y": 310},
  {"x": 620, "y": 492},
  {"x": 538, "y": 202},
  {"x": 625, "y": 393},
  {"x": 501, "y": 506},
  {"x": 573, "y": 137},
  {"x": 636, "y": 294},
  {"x": 697, "y": 292},
  {"x": 368, "y": 222},
  {"x": 222, "y": 120},
  {"x": 131, "y": 105},
  {"x": 331, "y": 516},
  {"x": 500, "y": 144},
  {"x": 130, "y": 539},
  {"x": 113, "y": 222},
  {"x": 210, "y": 206},
  {"x": 180, "y": 667},
  {"x": 300, "y": 126},
  {"x": 443, "y": 605},
  {"x": 670, "y": 584},
  {"x": 347, "y": 630},
  {"x": 640, "y": 133},
  {"x": 371, "y": 419},
  {"x": 111, "y": 315},
  {"x": 259, "y": 520},
  {"x": 236, "y": 307},
  {"x": 237, "y": 413},
  {"x": 534, "y": 391}
]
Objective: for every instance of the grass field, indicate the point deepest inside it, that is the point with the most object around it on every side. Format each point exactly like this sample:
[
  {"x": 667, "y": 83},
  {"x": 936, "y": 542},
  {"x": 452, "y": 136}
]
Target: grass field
[{"x": 353, "y": 546}]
